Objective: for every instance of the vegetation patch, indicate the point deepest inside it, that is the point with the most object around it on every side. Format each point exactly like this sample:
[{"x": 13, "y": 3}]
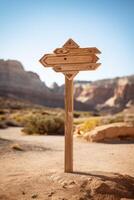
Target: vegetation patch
[
  {"x": 43, "y": 125},
  {"x": 87, "y": 125}
]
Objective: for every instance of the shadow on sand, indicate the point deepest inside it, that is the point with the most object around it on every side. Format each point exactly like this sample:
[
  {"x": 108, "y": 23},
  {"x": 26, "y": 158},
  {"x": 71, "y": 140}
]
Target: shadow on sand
[
  {"x": 118, "y": 141},
  {"x": 107, "y": 176}
]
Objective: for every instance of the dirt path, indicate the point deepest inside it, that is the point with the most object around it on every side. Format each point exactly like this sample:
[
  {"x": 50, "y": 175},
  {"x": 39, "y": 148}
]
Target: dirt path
[{"x": 43, "y": 156}]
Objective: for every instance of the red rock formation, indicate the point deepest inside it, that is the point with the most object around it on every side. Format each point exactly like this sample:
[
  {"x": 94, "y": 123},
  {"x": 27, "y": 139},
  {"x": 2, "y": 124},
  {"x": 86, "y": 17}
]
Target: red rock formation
[{"x": 111, "y": 95}]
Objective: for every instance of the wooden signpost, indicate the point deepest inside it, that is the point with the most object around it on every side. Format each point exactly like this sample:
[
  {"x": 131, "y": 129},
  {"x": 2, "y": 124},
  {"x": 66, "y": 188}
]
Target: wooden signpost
[{"x": 70, "y": 59}]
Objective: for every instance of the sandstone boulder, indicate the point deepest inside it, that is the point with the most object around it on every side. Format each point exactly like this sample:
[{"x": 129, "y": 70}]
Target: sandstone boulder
[{"x": 110, "y": 132}]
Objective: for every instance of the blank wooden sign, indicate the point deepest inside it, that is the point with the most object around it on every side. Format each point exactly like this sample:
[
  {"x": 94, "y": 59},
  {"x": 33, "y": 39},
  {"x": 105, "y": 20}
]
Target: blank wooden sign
[{"x": 70, "y": 59}]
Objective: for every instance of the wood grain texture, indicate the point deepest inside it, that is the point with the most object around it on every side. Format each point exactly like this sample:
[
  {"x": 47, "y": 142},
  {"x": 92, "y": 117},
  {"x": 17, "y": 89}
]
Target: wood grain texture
[
  {"x": 78, "y": 67},
  {"x": 68, "y": 125},
  {"x": 52, "y": 60},
  {"x": 77, "y": 51},
  {"x": 70, "y": 59}
]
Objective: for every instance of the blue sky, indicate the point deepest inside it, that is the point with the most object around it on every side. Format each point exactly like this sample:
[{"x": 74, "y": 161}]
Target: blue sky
[{"x": 31, "y": 28}]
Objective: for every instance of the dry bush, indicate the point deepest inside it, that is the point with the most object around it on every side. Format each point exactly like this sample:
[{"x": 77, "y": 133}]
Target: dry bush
[
  {"x": 116, "y": 118},
  {"x": 21, "y": 117},
  {"x": 109, "y": 119},
  {"x": 39, "y": 124},
  {"x": 88, "y": 125}
]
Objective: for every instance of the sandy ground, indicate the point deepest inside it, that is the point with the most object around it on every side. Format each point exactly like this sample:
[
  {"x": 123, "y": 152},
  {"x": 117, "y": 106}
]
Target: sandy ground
[{"x": 37, "y": 171}]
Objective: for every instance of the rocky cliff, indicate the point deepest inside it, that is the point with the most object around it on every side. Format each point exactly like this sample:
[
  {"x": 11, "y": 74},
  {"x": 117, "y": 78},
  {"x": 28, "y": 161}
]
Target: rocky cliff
[
  {"x": 109, "y": 95},
  {"x": 15, "y": 82},
  {"x": 105, "y": 96}
]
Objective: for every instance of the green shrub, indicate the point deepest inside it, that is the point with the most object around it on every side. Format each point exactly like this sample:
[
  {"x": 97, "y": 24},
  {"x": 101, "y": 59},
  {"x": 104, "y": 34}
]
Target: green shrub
[{"x": 38, "y": 124}]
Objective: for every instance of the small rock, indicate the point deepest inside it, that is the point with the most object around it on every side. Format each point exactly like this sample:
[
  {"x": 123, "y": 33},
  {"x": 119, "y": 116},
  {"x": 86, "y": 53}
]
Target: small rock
[
  {"x": 51, "y": 193},
  {"x": 82, "y": 198},
  {"x": 17, "y": 147},
  {"x": 72, "y": 183},
  {"x": 83, "y": 185},
  {"x": 64, "y": 185},
  {"x": 34, "y": 196},
  {"x": 23, "y": 193}
]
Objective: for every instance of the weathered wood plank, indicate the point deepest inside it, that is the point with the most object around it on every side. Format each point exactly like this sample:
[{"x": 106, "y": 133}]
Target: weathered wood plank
[
  {"x": 78, "y": 67},
  {"x": 52, "y": 60},
  {"x": 77, "y": 51}
]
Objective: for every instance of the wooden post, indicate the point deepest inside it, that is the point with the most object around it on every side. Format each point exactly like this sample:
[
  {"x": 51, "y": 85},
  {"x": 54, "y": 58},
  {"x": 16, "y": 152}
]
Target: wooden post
[
  {"x": 68, "y": 124},
  {"x": 70, "y": 59}
]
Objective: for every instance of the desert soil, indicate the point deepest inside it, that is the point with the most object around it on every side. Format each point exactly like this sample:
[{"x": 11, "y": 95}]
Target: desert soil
[{"x": 35, "y": 170}]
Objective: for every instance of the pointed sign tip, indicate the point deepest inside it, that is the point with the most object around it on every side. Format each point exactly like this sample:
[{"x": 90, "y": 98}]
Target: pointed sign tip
[
  {"x": 70, "y": 75},
  {"x": 70, "y": 44},
  {"x": 40, "y": 60},
  {"x": 97, "y": 51}
]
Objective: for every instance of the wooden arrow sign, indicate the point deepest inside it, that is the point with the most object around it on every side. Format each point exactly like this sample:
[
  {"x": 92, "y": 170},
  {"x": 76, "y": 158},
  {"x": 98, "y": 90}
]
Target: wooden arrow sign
[
  {"x": 70, "y": 59},
  {"x": 52, "y": 60},
  {"x": 78, "y": 67},
  {"x": 77, "y": 51}
]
